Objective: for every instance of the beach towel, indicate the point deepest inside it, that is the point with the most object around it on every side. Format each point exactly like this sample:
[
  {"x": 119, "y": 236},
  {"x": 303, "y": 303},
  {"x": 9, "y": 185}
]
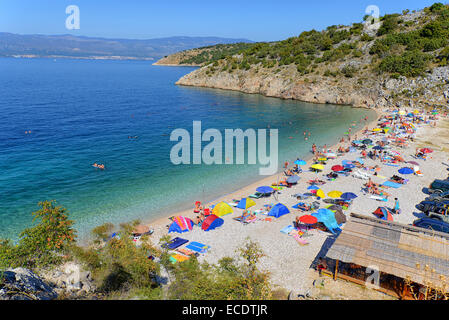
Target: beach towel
[
  {"x": 178, "y": 258},
  {"x": 391, "y": 165},
  {"x": 198, "y": 247},
  {"x": 174, "y": 243},
  {"x": 378, "y": 198},
  {"x": 185, "y": 251},
  {"x": 391, "y": 184},
  {"x": 287, "y": 229}
]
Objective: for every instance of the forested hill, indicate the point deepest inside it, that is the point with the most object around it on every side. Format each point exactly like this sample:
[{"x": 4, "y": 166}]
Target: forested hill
[{"x": 357, "y": 64}]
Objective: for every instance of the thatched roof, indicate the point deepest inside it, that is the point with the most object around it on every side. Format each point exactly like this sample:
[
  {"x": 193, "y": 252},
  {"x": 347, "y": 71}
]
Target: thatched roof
[{"x": 421, "y": 255}]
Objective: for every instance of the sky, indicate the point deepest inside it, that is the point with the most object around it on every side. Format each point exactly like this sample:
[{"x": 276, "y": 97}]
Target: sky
[{"x": 262, "y": 20}]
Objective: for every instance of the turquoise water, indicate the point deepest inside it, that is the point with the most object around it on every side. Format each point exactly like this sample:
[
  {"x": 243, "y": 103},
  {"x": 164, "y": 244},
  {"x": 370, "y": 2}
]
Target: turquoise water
[{"x": 82, "y": 111}]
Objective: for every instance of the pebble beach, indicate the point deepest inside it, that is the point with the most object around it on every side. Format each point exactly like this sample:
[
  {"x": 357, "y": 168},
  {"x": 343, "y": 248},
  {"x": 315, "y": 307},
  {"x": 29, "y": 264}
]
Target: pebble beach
[{"x": 288, "y": 262}]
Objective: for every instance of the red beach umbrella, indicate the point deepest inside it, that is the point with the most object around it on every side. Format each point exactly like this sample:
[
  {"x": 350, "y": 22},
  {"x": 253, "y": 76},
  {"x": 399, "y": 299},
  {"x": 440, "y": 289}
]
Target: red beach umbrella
[
  {"x": 337, "y": 168},
  {"x": 308, "y": 219},
  {"x": 426, "y": 150}
]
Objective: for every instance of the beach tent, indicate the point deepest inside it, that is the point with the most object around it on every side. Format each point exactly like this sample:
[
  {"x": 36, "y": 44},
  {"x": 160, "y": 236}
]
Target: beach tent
[
  {"x": 212, "y": 222},
  {"x": 246, "y": 203},
  {"x": 181, "y": 225},
  {"x": 222, "y": 209},
  {"x": 278, "y": 211},
  {"x": 383, "y": 213}
]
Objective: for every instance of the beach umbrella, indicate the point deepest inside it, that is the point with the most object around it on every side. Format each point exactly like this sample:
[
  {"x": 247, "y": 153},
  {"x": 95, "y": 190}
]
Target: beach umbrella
[
  {"x": 320, "y": 193},
  {"x": 426, "y": 150},
  {"x": 349, "y": 166},
  {"x": 141, "y": 229},
  {"x": 378, "y": 148},
  {"x": 265, "y": 190},
  {"x": 300, "y": 162},
  {"x": 318, "y": 167},
  {"x": 377, "y": 130},
  {"x": 337, "y": 168},
  {"x": 348, "y": 196},
  {"x": 222, "y": 209},
  {"x": 414, "y": 163},
  {"x": 322, "y": 159},
  {"x": 344, "y": 162},
  {"x": 335, "y": 194},
  {"x": 313, "y": 188},
  {"x": 402, "y": 113},
  {"x": 405, "y": 171},
  {"x": 246, "y": 203},
  {"x": 360, "y": 160},
  {"x": 293, "y": 179},
  {"x": 307, "y": 219}
]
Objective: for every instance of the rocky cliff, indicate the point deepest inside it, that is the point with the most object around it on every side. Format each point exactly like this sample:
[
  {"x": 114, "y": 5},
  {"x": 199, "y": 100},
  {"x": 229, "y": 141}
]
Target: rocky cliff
[{"x": 349, "y": 71}]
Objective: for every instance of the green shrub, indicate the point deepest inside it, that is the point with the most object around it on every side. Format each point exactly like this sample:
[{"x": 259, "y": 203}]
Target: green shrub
[{"x": 409, "y": 64}]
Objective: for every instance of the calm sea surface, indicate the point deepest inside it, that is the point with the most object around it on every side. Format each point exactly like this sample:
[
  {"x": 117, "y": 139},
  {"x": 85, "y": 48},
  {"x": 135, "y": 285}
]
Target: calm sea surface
[{"x": 82, "y": 111}]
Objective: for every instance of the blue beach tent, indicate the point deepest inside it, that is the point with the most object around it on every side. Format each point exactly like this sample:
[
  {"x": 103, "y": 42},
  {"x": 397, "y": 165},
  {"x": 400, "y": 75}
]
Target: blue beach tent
[{"x": 278, "y": 211}]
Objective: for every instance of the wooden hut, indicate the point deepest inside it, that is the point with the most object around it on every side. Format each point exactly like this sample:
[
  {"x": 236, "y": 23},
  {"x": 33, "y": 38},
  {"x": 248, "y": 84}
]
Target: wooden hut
[{"x": 400, "y": 260}]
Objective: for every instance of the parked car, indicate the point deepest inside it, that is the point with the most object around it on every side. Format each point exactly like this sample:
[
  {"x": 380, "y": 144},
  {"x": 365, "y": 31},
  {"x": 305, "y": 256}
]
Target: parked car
[
  {"x": 439, "y": 197},
  {"x": 432, "y": 224},
  {"x": 439, "y": 186}
]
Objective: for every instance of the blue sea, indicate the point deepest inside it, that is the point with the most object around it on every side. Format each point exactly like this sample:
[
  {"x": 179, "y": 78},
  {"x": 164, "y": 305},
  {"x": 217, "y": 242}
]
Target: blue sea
[{"x": 58, "y": 117}]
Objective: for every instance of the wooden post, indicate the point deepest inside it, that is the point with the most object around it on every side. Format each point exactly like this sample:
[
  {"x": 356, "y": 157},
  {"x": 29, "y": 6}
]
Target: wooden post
[{"x": 336, "y": 271}]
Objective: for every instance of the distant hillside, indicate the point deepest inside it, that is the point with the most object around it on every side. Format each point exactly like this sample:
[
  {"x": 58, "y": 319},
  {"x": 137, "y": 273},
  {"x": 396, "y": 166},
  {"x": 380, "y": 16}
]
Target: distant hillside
[
  {"x": 401, "y": 60},
  {"x": 88, "y": 47},
  {"x": 204, "y": 55}
]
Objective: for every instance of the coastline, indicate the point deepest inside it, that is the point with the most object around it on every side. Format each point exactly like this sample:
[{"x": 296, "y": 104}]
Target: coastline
[{"x": 159, "y": 224}]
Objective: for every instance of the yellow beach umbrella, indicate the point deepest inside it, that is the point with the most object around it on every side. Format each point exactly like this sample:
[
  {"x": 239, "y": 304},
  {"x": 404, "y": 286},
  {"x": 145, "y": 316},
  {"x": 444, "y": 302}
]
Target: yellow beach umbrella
[
  {"x": 322, "y": 159},
  {"x": 377, "y": 130},
  {"x": 222, "y": 209},
  {"x": 386, "y": 130},
  {"x": 320, "y": 193},
  {"x": 416, "y": 111},
  {"x": 335, "y": 194},
  {"x": 402, "y": 113},
  {"x": 318, "y": 167}
]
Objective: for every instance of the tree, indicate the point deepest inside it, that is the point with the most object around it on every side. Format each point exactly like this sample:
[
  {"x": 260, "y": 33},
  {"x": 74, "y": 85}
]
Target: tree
[{"x": 45, "y": 243}]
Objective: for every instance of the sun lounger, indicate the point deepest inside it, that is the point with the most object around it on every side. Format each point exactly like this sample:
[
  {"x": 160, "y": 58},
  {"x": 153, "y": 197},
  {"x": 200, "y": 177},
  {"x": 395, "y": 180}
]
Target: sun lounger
[{"x": 174, "y": 243}]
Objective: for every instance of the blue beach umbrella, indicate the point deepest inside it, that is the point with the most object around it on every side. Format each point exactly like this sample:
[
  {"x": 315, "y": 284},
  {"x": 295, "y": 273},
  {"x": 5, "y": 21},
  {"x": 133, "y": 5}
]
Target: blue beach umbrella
[
  {"x": 313, "y": 188},
  {"x": 349, "y": 166},
  {"x": 378, "y": 148},
  {"x": 345, "y": 162},
  {"x": 360, "y": 160},
  {"x": 348, "y": 196},
  {"x": 300, "y": 162},
  {"x": 405, "y": 171},
  {"x": 265, "y": 190}
]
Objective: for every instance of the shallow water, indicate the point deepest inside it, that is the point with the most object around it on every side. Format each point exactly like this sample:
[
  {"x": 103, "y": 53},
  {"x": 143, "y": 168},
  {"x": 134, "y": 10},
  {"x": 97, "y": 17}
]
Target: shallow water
[{"x": 82, "y": 111}]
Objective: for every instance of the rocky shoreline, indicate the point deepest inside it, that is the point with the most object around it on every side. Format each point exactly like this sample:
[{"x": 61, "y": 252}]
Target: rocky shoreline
[{"x": 378, "y": 92}]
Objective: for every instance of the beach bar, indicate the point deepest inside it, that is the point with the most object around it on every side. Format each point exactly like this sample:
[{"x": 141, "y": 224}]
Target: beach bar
[{"x": 400, "y": 260}]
